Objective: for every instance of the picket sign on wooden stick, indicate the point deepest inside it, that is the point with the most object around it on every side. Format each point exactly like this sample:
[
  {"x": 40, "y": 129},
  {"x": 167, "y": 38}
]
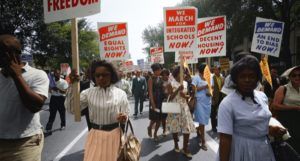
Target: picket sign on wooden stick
[{"x": 75, "y": 63}]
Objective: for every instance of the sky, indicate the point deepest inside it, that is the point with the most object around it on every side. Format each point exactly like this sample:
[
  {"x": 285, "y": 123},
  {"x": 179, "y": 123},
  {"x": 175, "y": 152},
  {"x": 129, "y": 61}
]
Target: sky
[{"x": 139, "y": 14}]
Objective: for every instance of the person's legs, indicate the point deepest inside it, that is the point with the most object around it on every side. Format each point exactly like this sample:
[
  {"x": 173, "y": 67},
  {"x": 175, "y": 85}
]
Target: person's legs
[
  {"x": 185, "y": 149},
  {"x": 136, "y": 103},
  {"x": 164, "y": 122},
  {"x": 202, "y": 135},
  {"x": 52, "y": 109},
  {"x": 176, "y": 139},
  {"x": 157, "y": 125},
  {"x": 213, "y": 117},
  {"x": 141, "y": 98},
  {"x": 149, "y": 128},
  {"x": 62, "y": 111}
]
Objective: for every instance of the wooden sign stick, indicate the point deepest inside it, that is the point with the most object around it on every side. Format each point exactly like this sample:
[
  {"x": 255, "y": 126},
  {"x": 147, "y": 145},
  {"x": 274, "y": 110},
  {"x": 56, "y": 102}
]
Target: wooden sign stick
[{"x": 75, "y": 63}]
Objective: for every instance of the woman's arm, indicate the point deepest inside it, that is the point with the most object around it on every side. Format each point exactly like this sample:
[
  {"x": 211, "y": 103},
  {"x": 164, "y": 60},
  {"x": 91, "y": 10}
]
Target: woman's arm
[
  {"x": 225, "y": 146},
  {"x": 278, "y": 101},
  {"x": 150, "y": 91}
]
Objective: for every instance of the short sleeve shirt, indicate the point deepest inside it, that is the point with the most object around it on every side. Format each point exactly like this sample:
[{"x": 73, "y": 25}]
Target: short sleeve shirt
[{"x": 16, "y": 121}]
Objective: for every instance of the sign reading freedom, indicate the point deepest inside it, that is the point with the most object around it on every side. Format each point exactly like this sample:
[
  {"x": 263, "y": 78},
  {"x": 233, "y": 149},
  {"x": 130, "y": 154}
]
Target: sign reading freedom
[{"x": 57, "y": 10}]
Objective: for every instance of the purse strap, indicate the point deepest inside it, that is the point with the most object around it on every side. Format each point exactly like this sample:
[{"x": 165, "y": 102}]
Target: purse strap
[{"x": 129, "y": 125}]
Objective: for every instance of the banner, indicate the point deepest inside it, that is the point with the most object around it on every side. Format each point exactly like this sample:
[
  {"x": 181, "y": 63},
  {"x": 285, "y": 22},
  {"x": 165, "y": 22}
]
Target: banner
[
  {"x": 157, "y": 55},
  {"x": 188, "y": 56},
  {"x": 64, "y": 68},
  {"x": 57, "y": 10},
  {"x": 113, "y": 41},
  {"x": 211, "y": 37},
  {"x": 127, "y": 66},
  {"x": 267, "y": 36},
  {"x": 264, "y": 67},
  {"x": 180, "y": 29},
  {"x": 141, "y": 63},
  {"x": 207, "y": 76}
]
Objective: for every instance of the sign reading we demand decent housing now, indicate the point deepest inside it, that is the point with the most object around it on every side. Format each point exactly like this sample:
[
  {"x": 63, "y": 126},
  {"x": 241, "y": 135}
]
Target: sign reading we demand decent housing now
[
  {"x": 211, "y": 37},
  {"x": 113, "y": 41},
  {"x": 157, "y": 55},
  {"x": 57, "y": 10},
  {"x": 267, "y": 36},
  {"x": 180, "y": 29}
]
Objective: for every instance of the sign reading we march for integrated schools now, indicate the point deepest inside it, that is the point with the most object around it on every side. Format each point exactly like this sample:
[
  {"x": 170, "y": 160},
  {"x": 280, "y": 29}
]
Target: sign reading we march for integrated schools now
[
  {"x": 157, "y": 55},
  {"x": 267, "y": 36},
  {"x": 57, "y": 10},
  {"x": 113, "y": 41},
  {"x": 180, "y": 29},
  {"x": 211, "y": 37}
]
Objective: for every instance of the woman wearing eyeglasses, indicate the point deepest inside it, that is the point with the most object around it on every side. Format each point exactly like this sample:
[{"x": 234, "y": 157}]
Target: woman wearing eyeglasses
[
  {"x": 287, "y": 103},
  {"x": 108, "y": 105}
]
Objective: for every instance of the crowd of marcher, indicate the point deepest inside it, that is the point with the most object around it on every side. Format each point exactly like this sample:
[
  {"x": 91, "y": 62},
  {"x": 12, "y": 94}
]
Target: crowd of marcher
[{"x": 239, "y": 105}]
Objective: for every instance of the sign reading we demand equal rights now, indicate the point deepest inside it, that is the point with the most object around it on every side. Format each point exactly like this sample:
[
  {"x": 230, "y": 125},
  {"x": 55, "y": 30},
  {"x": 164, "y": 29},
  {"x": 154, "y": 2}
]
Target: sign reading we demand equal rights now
[
  {"x": 211, "y": 37},
  {"x": 113, "y": 41},
  {"x": 267, "y": 36},
  {"x": 157, "y": 55},
  {"x": 57, "y": 10},
  {"x": 180, "y": 29}
]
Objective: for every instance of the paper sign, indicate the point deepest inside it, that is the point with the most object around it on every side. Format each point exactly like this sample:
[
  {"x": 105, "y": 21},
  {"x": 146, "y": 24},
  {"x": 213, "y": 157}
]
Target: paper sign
[
  {"x": 141, "y": 63},
  {"x": 264, "y": 66},
  {"x": 207, "y": 76},
  {"x": 64, "y": 68},
  {"x": 127, "y": 66},
  {"x": 157, "y": 55},
  {"x": 113, "y": 41},
  {"x": 180, "y": 29},
  {"x": 211, "y": 37},
  {"x": 57, "y": 10},
  {"x": 267, "y": 36},
  {"x": 188, "y": 56}
]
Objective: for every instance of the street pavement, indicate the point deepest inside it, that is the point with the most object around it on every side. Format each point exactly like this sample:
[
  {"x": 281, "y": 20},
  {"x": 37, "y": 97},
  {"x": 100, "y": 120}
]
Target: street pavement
[{"x": 68, "y": 145}]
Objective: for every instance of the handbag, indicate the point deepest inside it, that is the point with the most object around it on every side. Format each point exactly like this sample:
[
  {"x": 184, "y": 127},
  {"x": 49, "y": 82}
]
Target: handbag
[
  {"x": 130, "y": 146},
  {"x": 170, "y": 107}
]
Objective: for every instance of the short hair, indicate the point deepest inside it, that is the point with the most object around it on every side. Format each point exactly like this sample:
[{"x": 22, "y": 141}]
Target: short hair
[
  {"x": 176, "y": 71},
  {"x": 10, "y": 44},
  {"x": 201, "y": 68},
  {"x": 156, "y": 66},
  {"x": 247, "y": 62},
  {"x": 238, "y": 56},
  {"x": 102, "y": 63},
  {"x": 165, "y": 71}
]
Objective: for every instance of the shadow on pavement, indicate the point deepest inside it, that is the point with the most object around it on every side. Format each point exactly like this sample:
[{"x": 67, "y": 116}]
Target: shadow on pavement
[
  {"x": 148, "y": 146},
  {"x": 74, "y": 156},
  {"x": 170, "y": 155}
]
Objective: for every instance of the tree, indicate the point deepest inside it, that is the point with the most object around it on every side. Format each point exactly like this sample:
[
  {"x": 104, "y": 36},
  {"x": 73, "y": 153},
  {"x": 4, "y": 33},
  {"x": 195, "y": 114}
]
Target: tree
[{"x": 49, "y": 43}]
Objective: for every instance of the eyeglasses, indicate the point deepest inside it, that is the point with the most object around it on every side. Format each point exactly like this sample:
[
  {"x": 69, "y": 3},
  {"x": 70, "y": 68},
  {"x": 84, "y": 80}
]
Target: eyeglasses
[{"x": 102, "y": 75}]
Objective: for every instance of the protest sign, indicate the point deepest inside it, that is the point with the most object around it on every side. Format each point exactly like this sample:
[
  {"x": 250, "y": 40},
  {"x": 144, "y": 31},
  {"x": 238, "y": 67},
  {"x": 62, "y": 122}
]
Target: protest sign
[
  {"x": 157, "y": 55},
  {"x": 127, "y": 66},
  {"x": 188, "y": 56},
  {"x": 211, "y": 37},
  {"x": 141, "y": 63},
  {"x": 64, "y": 68},
  {"x": 113, "y": 41},
  {"x": 224, "y": 63},
  {"x": 180, "y": 29},
  {"x": 267, "y": 36},
  {"x": 264, "y": 66},
  {"x": 207, "y": 77},
  {"x": 57, "y": 10}
]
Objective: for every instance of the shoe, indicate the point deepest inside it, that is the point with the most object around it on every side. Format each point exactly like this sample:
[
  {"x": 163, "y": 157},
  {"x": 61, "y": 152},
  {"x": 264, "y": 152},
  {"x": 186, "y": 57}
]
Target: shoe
[
  {"x": 214, "y": 130},
  {"x": 149, "y": 132},
  {"x": 187, "y": 154},
  {"x": 62, "y": 128},
  {"x": 204, "y": 147},
  {"x": 177, "y": 150},
  {"x": 141, "y": 113},
  {"x": 48, "y": 132},
  {"x": 165, "y": 133}
]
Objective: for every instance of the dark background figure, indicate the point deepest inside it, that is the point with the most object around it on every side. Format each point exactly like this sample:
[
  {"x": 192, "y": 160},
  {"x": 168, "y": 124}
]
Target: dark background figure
[
  {"x": 268, "y": 89},
  {"x": 217, "y": 84},
  {"x": 139, "y": 88},
  {"x": 85, "y": 84},
  {"x": 58, "y": 94}
]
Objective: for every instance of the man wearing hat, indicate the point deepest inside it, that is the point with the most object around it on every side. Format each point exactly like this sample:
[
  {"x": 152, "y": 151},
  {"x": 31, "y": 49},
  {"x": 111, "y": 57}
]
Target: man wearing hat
[{"x": 23, "y": 91}]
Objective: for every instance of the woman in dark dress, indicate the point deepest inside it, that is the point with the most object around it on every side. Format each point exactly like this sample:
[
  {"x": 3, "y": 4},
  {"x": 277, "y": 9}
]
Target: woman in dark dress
[{"x": 156, "y": 97}]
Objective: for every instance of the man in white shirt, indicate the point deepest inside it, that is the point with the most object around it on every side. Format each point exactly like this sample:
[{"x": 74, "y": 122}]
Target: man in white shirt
[
  {"x": 23, "y": 91},
  {"x": 58, "y": 94}
]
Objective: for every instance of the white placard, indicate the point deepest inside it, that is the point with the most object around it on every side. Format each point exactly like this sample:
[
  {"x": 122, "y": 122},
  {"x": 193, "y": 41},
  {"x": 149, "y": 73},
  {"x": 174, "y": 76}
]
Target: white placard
[
  {"x": 188, "y": 56},
  {"x": 113, "y": 39},
  {"x": 180, "y": 29},
  {"x": 211, "y": 37},
  {"x": 57, "y": 10},
  {"x": 267, "y": 36},
  {"x": 157, "y": 55}
]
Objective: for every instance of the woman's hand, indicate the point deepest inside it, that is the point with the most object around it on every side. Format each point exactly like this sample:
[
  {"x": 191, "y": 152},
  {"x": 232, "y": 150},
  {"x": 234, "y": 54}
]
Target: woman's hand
[
  {"x": 122, "y": 118},
  {"x": 277, "y": 131},
  {"x": 74, "y": 77},
  {"x": 180, "y": 88}
]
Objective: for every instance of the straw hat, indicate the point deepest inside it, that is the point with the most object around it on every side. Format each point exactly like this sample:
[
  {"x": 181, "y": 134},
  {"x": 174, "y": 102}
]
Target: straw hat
[{"x": 289, "y": 71}]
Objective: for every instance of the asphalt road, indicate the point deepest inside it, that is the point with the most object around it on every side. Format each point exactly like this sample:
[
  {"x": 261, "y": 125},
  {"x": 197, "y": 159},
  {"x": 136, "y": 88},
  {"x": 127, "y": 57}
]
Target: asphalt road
[{"x": 67, "y": 145}]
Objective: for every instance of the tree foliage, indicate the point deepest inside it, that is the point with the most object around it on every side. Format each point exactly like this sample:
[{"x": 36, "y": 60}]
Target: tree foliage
[{"x": 50, "y": 44}]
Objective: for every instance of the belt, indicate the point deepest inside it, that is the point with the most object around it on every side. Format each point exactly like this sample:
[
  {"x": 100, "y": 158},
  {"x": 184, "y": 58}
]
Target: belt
[{"x": 107, "y": 127}]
